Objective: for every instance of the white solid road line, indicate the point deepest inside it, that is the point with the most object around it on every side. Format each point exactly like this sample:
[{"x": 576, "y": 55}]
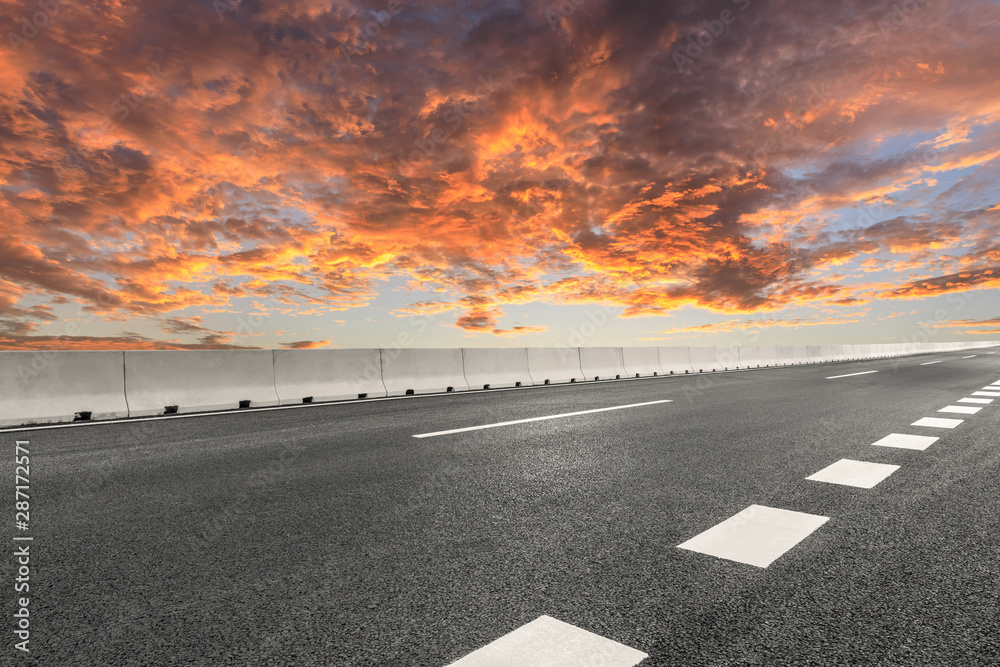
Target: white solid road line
[
  {"x": 928, "y": 363},
  {"x": 547, "y": 642},
  {"x": 983, "y": 401},
  {"x": 905, "y": 441},
  {"x": 862, "y": 474},
  {"x": 834, "y": 377},
  {"x": 937, "y": 422},
  {"x": 538, "y": 419},
  {"x": 960, "y": 409},
  {"x": 756, "y": 536}
]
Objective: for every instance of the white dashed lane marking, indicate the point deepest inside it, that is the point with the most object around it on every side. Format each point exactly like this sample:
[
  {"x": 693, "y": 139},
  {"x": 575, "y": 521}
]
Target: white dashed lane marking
[
  {"x": 756, "y": 536},
  {"x": 834, "y": 377},
  {"x": 937, "y": 422},
  {"x": 547, "y": 642},
  {"x": 854, "y": 473},
  {"x": 904, "y": 441},
  {"x": 960, "y": 409},
  {"x": 928, "y": 363},
  {"x": 969, "y": 357},
  {"x": 983, "y": 401}
]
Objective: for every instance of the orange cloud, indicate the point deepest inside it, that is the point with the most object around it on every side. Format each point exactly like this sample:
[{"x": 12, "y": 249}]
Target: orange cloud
[
  {"x": 306, "y": 344},
  {"x": 483, "y": 162}
]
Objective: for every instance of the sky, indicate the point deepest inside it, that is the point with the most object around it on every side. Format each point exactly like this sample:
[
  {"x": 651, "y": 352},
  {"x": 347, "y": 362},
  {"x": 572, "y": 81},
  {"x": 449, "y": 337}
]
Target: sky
[{"x": 304, "y": 174}]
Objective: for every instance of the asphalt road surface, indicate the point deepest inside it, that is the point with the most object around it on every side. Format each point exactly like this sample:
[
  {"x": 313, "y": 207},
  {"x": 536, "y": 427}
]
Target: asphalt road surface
[{"x": 330, "y": 535}]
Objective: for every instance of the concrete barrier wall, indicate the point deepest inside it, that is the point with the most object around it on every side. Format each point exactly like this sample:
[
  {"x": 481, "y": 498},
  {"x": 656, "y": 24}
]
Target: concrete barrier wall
[
  {"x": 56, "y": 386},
  {"x": 834, "y": 352},
  {"x": 769, "y": 354},
  {"x": 676, "y": 360},
  {"x": 707, "y": 359},
  {"x": 750, "y": 356},
  {"x": 786, "y": 355},
  {"x": 822, "y": 354},
  {"x": 759, "y": 356},
  {"x": 641, "y": 361},
  {"x": 311, "y": 376},
  {"x": 554, "y": 365},
  {"x": 801, "y": 354},
  {"x": 425, "y": 371},
  {"x": 198, "y": 380},
  {"x": 45, "y": 386},
  {"x": 496, "y": 367},
  {"x": 602, "y": 363}
]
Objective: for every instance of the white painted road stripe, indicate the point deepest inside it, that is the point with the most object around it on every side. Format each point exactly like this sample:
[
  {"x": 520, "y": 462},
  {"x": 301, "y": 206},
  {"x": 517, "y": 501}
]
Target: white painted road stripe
[
  {"x": 960, "y": 409},
  {"x": 756, "y": 536},
  {"x": 928, "y": 363},
  {"x": 904, "y": 441},
  {"x": 834, "y": 377},
  {"x": 984, "y": 401},
  {"x": 854, "y": 473},
  {"x": 991, "y": 394},
  {"x": 537, "y": 419},
  {"x": 547, "y": 642},
  {"x": 937, "y": 422},
  {"x": 969, "y": 357}
]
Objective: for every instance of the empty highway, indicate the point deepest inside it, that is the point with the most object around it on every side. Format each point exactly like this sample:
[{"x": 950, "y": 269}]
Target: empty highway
[{"x": 332, "y": 535}]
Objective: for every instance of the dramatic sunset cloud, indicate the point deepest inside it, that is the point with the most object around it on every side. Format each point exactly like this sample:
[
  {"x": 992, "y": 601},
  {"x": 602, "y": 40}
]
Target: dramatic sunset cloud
[{"x": 304, "y": 173}]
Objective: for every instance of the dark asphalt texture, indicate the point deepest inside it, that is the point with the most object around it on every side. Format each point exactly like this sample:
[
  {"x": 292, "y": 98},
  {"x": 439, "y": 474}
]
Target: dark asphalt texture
[{"x": 330, "y": 536}]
